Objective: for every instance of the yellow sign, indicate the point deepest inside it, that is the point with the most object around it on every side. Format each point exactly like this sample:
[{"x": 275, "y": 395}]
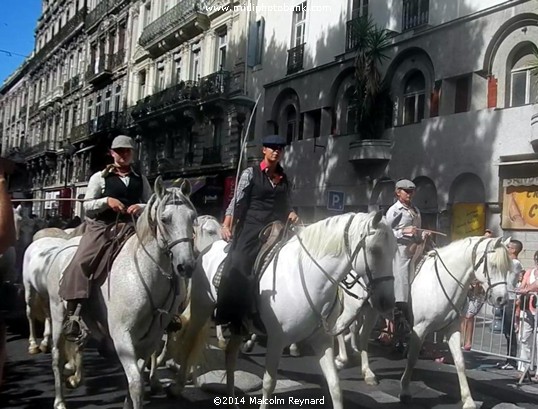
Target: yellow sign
[
  {"x": 468, "y": 219},
  {"x": 520, "y": 208}
]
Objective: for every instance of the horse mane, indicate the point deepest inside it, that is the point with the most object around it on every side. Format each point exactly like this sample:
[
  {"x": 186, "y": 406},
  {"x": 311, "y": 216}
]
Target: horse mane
[
  {"x": 325, "y": 237},
  {"x": 150, "y": 219}
]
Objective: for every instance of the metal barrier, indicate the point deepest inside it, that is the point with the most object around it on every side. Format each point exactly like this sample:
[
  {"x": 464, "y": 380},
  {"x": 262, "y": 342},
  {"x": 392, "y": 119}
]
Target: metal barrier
[{"x": 509, "y": 332}]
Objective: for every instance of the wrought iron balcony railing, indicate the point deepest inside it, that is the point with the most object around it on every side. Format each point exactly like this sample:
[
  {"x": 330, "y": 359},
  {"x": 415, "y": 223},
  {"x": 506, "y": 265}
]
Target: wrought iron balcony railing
[
  {"x": 295, "y": 59},
  {"x": 214, "y": 85},
  {"x": 171, "y": 20},
  {"x": 39, "y": 148},
  {"x": 415, "y": 13},
  {"x": 99, "y": 69},
  {"x": 97, "y": 14},
  {"x": 352, "y": 34},
  {"x": 80, "y": 132},
  {"x": 118, "y": 59},
  {"x": 184, "y": 91},
  {"x": 211, "y": 155}
]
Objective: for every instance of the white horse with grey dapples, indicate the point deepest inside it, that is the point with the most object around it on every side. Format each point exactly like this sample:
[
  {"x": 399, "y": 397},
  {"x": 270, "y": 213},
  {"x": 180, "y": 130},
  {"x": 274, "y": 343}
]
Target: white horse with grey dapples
[
  {"x": 297, "y": 293},
  {"x": 131, "y": 305}
]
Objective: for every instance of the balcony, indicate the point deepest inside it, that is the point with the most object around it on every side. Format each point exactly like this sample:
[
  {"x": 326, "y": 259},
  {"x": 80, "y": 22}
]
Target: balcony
[
  {"x": 100, "y": 70},
  {"x": 80, "y": 132},
  {"x": 97, "y": 14},
  {"x": 351, "y": 34},
  {"x": 212, "y": 156},
  {"x": 22, "y": 111},
  {"x": 181, "y": 23},
  {"x": 215, "y": 85},
  {"x": 534, "y": 127},
  {"x": 368, "y": 151},
  {"x": 56, "y": 94},
  {"x": 104, "y": 123},
  {"x": 39, "y": 149},
  {"x": 415, "y": 14},
  {"x": 118, "y": 59},
  {"x": 168, "y": 99},
  {"x": 34, "y": 109},
  {"x": 295, "y": 59},
  {"x": 71, "y": 85}
]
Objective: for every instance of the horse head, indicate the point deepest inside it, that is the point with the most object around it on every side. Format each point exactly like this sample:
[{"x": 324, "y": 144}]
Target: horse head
[
  {"x": 206, "y": 231},
  {"x": 373, "y": 257},
  {"x": 171, "y": 217},
  {"x": 491, "y": 264}
]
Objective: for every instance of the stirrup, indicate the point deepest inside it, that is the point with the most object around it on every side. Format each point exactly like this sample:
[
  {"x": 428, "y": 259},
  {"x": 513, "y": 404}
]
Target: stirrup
[{"x": 74, "y": 330}]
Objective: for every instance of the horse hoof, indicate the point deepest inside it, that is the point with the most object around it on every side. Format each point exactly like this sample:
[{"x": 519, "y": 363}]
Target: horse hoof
[
  {"x": 60, "y": 405},
  {"x": 222, "y": 344},
  {"x": 173, "y": 391},
  {"x": 34, "y": 350},
  {"x": 405, "y": 399},
  {"x": 469, "y": 405},
  {"x": 294, "y": 352},
  {"x": 72, "y": 383},
  {"x": 44, "y": 348},
  {"x": 371, "y": 380},
  {"x": 155, "y": 389},
  {"x": 338, "y": 363},
  {"x": 248, "y": 346}
]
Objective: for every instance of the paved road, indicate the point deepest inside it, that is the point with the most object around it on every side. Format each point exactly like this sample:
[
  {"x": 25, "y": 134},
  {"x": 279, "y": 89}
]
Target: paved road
[{"x": 29, "y": 383}]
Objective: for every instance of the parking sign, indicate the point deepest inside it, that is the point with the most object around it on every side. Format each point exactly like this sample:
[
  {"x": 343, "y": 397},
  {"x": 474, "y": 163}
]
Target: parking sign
[{"x": 335, "y": 200}]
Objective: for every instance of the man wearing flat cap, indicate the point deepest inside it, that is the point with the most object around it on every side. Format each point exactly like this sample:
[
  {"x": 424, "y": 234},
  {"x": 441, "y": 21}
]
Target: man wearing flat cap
[
  {"x": 115, "y": 194},
  {"x": 262, "y": 197},
  {"x": 406, "y": 222}
]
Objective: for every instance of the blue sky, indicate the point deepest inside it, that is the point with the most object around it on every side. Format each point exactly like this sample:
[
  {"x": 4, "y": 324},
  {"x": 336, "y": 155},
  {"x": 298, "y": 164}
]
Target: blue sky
[{"x": 18, "y": 19}]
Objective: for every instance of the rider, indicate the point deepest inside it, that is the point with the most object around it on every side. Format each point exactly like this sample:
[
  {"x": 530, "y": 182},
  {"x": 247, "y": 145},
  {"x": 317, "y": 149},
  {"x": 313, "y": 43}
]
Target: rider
[
  {"x": 115, "y": 194},
  {"x": 407, "y": 232},
  {"x": 262, "y": 197}
]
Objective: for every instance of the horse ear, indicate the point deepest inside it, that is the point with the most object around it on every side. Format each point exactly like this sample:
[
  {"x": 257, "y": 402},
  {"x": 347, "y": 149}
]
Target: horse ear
[
  {"x": 159, "y": 187},
  {"x": 506, "y": 242},
  {"x": 377, "y": 218},
  {"x": 396, "y": 221},
  {"x": 186, "y": 187}
]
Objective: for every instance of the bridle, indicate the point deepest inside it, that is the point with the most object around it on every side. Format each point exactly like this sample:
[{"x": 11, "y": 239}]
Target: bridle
[
  {"x": 361, "y": 245},
  {"x": 483, "y": 259}
]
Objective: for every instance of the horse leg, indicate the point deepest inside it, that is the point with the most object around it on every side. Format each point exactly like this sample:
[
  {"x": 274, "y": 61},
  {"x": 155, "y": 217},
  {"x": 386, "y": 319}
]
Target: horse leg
[
  {"x": 353, "y": 336},
  {"x": 232, "y": 351},
  {"x": 272, "y": 360},
  {"x": 58, "y": 359},
  {"x": 220, "y": 337},
  {"x": 323, "y": 345},
  {"x": 368, "y": 322},
  {"x": 454, "y": 340},
  {"x": 74, "y": 358},
  {"x": 29, "y": 296},
  {"x": 155, "y": 384},
  {"x": 129, "y": 361},
  {"x": 45, "y": 343},
  {"x": 415, "y": 342},
  {"x": 341, "y": 359}
]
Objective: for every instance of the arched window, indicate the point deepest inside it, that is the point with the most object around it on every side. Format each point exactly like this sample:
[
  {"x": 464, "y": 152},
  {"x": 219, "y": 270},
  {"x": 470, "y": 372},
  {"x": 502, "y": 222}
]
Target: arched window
[
  {"x": 414, "y": 98},
  {"x": 291, "y": 124},
  {"x": 351, "y": 112},
  {"x": 522, "y": 81}
]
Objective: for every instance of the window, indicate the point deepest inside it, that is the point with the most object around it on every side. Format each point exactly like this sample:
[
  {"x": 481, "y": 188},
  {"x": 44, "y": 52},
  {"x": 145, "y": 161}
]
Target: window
[
  {"x": 299, "y": 24},
  {"x": 107, "y": 101},
  {"x": 195, "y": 62},
  {"x": 98, "y": 107},
  {"x": 147, "y": 13},
  {"x": 176, "y": 73},
  {"x": 117, "y": 98},
  {"x": 159, "y": 80},
  {"x": 524, "y": 89},
  {"x": 359, "y": 8},
  {"x": 74, "y": 118},
  {"x": 414, "y": 98},
  {"x": 221, "y": 50},
  {"x": 463, "y": 94},
  {"x": 291, "y": 124},
  {"x": 217, "y": 133},
  {"x": 141, "y": 84}
]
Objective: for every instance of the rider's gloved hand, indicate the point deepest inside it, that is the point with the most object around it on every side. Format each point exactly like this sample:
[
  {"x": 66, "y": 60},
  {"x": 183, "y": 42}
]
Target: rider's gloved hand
[{"x": 115, "y": 205}]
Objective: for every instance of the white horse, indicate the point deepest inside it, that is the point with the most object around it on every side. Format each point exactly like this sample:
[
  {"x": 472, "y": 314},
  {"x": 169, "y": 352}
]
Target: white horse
[
  {"x": 438, "y": 295},
  {"x": 137, "y": 300},
  {"x": 297, "y": 292}
]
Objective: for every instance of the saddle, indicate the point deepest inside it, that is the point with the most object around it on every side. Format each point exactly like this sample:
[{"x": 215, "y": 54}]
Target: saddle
[{"x": 117, "y": 235}]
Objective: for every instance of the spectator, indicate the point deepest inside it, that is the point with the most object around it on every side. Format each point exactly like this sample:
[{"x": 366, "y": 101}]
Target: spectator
[
  {"x": 509, "y": 329},
  {"x": 528, "y": 306},
  {"x": 475, "y": 301}
]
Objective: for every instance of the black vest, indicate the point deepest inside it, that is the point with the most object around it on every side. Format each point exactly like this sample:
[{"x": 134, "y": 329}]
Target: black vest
[
  {"x": 128, "y": 195},
  {"x": 267, "y": 203}
]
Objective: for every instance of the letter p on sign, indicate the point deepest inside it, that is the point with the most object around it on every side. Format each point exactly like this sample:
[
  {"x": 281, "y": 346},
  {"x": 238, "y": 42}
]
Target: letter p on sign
[{"x": 335, "y": 201}]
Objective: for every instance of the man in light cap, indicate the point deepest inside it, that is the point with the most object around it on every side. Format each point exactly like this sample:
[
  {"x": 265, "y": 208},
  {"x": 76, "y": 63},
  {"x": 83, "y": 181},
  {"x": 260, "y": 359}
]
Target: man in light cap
[
  {"x": 115, "y": 194},
  {"x": 262, "y": 197},
  {"x": 407, "y": 236}
]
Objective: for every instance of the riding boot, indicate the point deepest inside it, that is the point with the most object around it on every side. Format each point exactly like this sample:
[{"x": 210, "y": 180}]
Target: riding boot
[{"x": 72, "y": 328}]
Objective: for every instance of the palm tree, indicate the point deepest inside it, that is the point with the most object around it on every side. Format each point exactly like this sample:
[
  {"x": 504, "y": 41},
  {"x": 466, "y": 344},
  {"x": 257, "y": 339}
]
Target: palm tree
[{"x": 371, "y": 93}]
